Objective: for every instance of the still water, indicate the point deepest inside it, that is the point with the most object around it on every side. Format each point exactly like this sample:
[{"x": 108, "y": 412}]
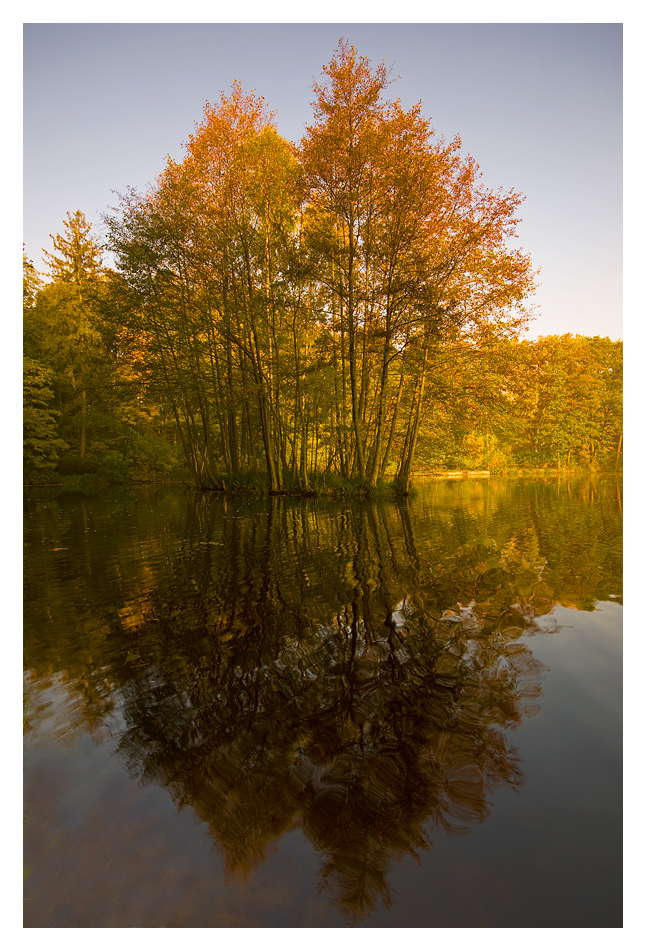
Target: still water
[{"x": 245, "y": 712}]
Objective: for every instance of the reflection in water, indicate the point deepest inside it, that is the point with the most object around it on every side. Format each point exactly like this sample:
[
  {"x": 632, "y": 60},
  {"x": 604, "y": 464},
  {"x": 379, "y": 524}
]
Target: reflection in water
[{"x": 351, "y": 670}]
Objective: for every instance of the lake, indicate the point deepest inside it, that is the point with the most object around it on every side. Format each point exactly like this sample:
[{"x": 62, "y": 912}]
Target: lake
[{"x": 246, "y": 712}]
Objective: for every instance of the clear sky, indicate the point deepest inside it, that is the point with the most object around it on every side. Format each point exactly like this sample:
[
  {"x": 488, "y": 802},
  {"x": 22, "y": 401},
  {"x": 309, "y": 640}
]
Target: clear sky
[{"x": 539, "y": 107}]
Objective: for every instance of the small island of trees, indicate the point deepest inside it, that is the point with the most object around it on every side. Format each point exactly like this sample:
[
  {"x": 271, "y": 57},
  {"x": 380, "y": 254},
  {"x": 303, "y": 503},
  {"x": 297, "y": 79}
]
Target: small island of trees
[{"x": 343, "y": 311}]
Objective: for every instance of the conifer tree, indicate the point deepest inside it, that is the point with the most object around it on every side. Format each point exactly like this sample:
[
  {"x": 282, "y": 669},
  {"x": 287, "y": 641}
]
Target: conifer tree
[
  {"x": 80, "y": 254},
  {"x": 66, "y": 311}
]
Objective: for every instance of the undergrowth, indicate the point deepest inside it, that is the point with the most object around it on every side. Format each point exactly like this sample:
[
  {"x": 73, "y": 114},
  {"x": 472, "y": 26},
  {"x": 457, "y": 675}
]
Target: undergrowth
[{"x": 330, "y": 485}]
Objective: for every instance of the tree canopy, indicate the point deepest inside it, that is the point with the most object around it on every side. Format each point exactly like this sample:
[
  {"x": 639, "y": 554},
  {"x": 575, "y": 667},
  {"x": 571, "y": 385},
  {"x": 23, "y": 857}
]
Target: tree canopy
[{"x": 349, "y": 304}]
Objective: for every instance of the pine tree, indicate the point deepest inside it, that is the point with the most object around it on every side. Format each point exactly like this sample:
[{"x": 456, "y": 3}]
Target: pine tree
[
  {"x": 80, "y": 260},
  {"x": 66, "y": 308}
]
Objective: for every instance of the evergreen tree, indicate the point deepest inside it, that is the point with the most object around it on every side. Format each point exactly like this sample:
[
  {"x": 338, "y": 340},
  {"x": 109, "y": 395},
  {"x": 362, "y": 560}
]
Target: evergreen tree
[
  {"x": 80, "y": 255},
  {"x": 41, "y": 442},
  {"x": 65, "y": 309}
]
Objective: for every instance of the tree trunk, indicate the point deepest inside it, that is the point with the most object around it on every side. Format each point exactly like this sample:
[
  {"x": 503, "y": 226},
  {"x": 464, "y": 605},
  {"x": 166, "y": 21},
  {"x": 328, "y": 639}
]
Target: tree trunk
[
  {"x": 387, "y": 451},
  {"x": 379, "y": 436},
  {"x": 82, "y": 452},
  {"x": 352, "y": 355},
  {"x": 408, "y": 457}
]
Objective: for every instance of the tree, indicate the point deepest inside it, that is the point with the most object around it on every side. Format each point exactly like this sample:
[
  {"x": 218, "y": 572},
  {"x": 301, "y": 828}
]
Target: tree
[
  {"x": 80, "y": 261},
  {"x": 418, "y": 249},
  {"x": 67, "y": 335},
  {"x": 206, "y": 257},
  {"x": 564, "y": 400},
  {"x": 41, "y": 442},
  {"x": 291, "y": 301}
]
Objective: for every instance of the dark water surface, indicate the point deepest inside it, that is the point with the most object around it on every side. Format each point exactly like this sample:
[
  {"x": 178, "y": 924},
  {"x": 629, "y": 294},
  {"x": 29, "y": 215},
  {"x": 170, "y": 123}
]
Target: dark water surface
[{"x": 245, "y": 712}]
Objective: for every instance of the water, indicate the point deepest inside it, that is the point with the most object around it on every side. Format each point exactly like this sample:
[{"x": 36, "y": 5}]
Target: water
[{"x": 245, "y": 712}]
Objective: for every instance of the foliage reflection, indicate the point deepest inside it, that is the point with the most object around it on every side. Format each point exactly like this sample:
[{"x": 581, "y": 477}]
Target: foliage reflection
[{"x": 349, "y": 670}]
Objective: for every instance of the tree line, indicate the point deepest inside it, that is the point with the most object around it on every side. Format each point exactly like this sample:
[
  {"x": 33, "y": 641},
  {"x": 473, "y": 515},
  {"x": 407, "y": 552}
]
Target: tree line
[{"x": 346, "y": 307}]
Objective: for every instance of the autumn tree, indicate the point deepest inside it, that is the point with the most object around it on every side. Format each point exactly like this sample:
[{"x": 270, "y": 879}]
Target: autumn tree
[
  {"x": 209, "y": 258},
  {"x": 291, "y": 302},
  {"x": 416, "y": 248}
]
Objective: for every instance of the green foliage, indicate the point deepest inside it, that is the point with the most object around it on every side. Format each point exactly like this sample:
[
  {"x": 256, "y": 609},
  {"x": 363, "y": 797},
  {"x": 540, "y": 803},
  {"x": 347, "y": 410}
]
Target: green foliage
[
  {"x": 31, "y": 282},
  {"x": 150, "y": 456},
  {"x": 83, "y": 411},
  {"x": 71, "y": 464},
  {"x": 555, "y": 402},
  {"x": 115, "y": 467},
  {"x": 41, "y": 444},
  {"x": 80, "y": 261},
  {"x": 565, "y": 401}
]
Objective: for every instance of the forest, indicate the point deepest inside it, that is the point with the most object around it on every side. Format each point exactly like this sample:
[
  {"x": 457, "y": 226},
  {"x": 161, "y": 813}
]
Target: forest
[{"x": 292, "y": 317}]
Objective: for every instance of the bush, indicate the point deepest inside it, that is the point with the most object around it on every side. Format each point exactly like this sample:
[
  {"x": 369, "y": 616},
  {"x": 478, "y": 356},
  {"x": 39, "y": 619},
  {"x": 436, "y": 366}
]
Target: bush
[
  {"x": 71, "y": 464},
  {"x": 150, "y": 456},
  {"x": 115, "y": 468}
]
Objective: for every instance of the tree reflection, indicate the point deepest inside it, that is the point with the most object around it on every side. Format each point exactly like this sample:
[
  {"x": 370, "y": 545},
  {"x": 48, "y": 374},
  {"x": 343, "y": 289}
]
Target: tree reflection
[
  {"x": 368, "y": 725},
  {"x": 349, "y": 670}
]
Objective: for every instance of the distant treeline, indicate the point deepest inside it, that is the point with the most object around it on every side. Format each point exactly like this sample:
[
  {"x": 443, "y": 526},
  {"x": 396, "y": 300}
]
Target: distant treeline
[{"x": 345, "y": 308}]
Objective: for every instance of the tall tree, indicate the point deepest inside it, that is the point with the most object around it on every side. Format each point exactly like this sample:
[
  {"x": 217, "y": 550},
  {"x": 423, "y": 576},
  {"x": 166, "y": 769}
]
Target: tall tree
[
  {"x": 80, "y": 254},
  {"x": 65, "y": 311},
  {"x": 207, "y": 254},
  {"x": 339, "y": 153},
  {"x": 294, "y": 301},
  {"x": 41, "y": 442},
  {"x": 417, "y": 248}
]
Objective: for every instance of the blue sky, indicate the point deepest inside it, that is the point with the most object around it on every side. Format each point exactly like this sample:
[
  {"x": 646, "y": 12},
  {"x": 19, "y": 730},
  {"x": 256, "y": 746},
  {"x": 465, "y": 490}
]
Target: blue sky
[{"x": 539, "y": 106}]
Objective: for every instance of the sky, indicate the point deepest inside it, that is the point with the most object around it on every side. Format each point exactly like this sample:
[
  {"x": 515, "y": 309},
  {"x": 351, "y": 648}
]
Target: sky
[{"x": 538, "y": 106}]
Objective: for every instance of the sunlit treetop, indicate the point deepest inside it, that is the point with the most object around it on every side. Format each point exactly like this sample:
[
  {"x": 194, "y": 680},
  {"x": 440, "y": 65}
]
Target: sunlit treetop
[{"x": 80, "y": 253}]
